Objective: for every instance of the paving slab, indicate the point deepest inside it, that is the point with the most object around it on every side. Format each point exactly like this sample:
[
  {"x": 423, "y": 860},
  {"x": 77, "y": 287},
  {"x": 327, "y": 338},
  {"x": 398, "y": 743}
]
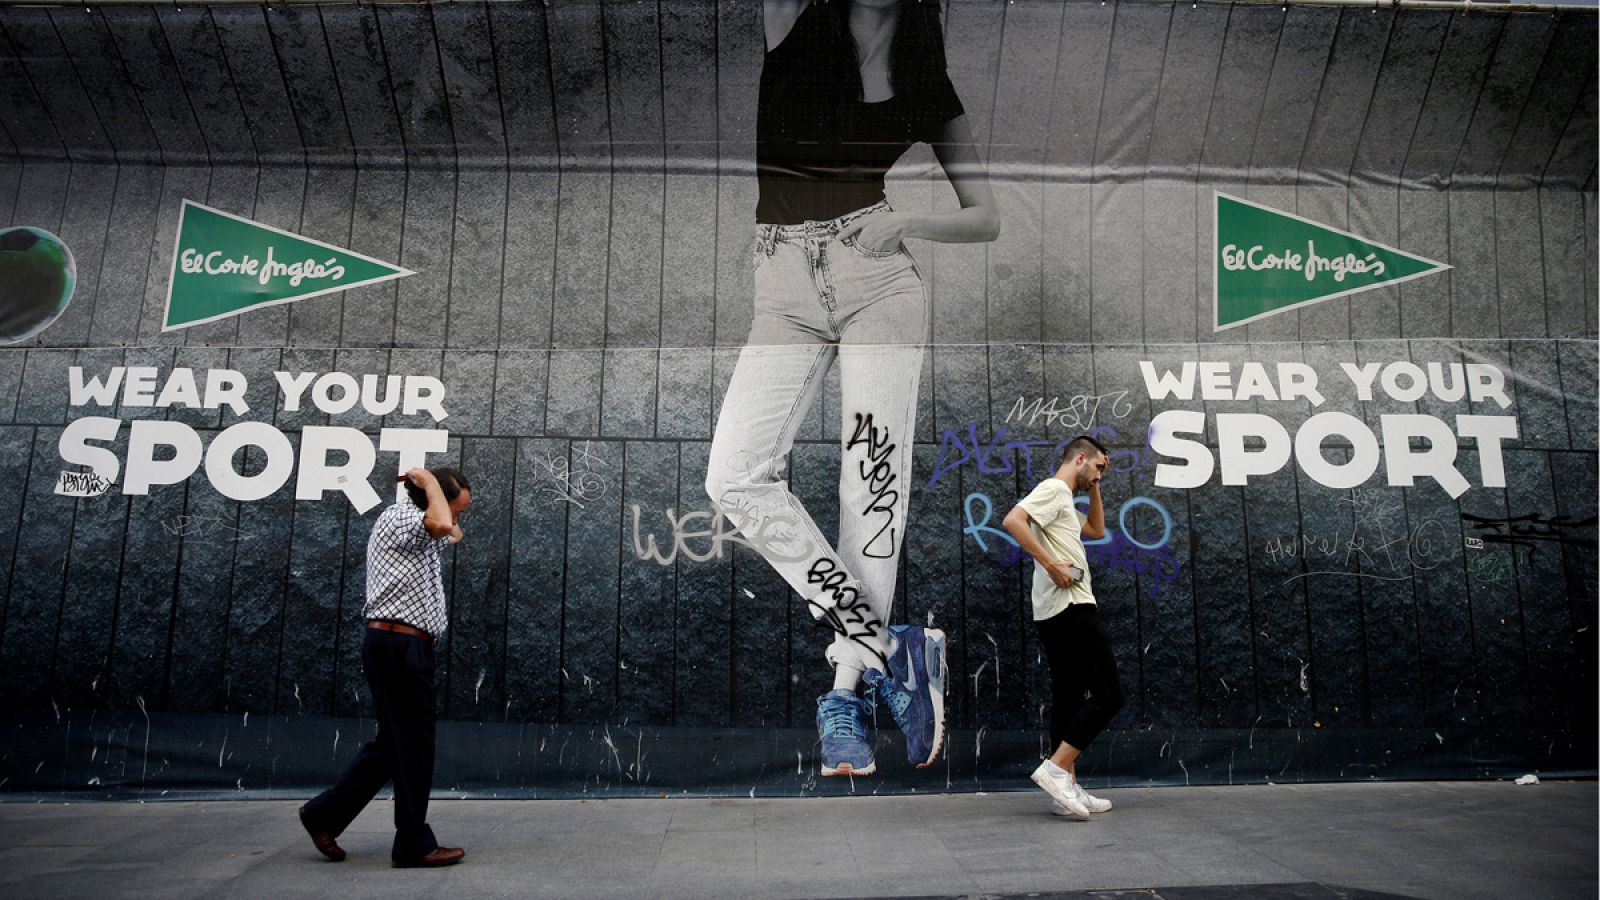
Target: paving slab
[{"x": 1361, "y": 841}]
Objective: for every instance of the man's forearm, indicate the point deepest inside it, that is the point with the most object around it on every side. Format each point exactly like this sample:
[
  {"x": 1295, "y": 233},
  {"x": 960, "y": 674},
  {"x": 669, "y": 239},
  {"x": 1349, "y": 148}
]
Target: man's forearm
[
  {"x": 1095, "y": 527},
  {"x": 1018, "y": 528}
]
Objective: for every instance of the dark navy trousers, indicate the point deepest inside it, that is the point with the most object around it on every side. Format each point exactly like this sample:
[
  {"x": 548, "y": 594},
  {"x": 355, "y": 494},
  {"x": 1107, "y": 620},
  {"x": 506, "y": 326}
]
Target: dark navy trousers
[{"x": 399, "y": 670}]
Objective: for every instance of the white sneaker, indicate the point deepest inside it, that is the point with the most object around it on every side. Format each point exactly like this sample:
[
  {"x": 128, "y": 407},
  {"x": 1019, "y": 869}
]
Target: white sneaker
[
  {"x": 1060, "y": 790},
  {"x": 1095, "y": 804}
]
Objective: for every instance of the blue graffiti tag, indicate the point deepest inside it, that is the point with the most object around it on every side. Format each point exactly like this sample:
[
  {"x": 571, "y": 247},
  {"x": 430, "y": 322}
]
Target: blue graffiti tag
[
  {"x": 994, "y": 456},
  {"x": 1119, "y": 549}
]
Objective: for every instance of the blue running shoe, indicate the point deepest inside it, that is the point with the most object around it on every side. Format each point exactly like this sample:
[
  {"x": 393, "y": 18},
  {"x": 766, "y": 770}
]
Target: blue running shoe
[
  {"x": 842, "y": 723},
  {"x": 913, "y": 689}
]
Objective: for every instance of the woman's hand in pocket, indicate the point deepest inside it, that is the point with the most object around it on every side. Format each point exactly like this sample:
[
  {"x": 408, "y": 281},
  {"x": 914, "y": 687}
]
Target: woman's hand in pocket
[{"x": 881, "y": 232}]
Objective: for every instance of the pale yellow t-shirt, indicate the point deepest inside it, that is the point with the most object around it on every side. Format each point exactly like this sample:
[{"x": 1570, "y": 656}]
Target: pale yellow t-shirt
[{"x": 1057, "y": 525}]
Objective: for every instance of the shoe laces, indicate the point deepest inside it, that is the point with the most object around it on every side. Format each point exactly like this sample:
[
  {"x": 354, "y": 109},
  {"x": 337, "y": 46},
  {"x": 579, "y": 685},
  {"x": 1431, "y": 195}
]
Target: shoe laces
[
  {"x": 898, "y": 700},
  {"x": 839, "y": 719}
]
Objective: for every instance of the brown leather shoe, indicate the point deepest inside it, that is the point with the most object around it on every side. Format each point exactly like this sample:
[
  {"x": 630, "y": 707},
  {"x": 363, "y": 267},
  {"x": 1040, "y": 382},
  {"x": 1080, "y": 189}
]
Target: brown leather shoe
[
  {"x": 441, "y": 856},
  {"x": 325, "y": 843}
]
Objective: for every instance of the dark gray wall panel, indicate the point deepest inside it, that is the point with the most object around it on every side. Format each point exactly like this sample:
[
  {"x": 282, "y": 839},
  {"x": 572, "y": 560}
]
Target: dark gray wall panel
[
  {"x": 128, "y": 252},
  {"x": 202, "y": 65},
  {"x": 85, "y": 224},
  {"x": 703, "y": 690},
  {"x": 527, "y": 284},
  {"x": 472, "y": 400},
  {"x": 34, "y": 37},
  {"x": 1129, "y": 100},
  {"x": 268, "y": 115},
  {"x": 201, "y": 613},
  {"x": 1243, "y": 76},
  {"x": 89, "y": 600},
  {"x": 41, "y": 401},
  {"x": 1388, "y": 610},
  {"x": 1551, "y": 101},
  {"x": 1474, "y": 282},
  {"x": 477, "y": 260},
  {"x": 1075, "y": 104},
  {"x": 1498, "y": 638},
  {"x": 311, "y": 611},
  {"x": 177, "y": 184},
  {"x": 1578, "y": 363},
  {"x": 1223, "y": 626},
  {"x": 1410, "y": 60},
  {"x": 589, "y": 643},
  {"x": 38, "y": 575},
  {"x": 110, "y": 89},
  {"x": 412, "y": 55},
  {"x": 1550, "y": 633},
  {"x": 1506, "y": 87},
  {"x": 355, "y": 41},
  {"x": 467, "y": 55},
  {"x": 1572, "y": 164},
  {"x": 647, "y": 650},
  {"x": 40, "y": 87},
  {"x": 149, "y": 63},
  {"x": 259, "y": 596},
  {"x": 1425, "y": 230},
  {"x": 479, "y": 593},
  {"x": 1278, "y": 611},
  {"x": 1469, "y": 47},
  {"x": 1574, "y": 481},
  {"x": 11, "y": 364},
  {"x": 421, "y": 311},
  {"x": 310, "y": 82},
  {"x": 1541, "y": 410},
  {"x": 1116, "y": 312},
  {"x": 327, "y": 215},
  {"x": 1561, "y": 231},
  {"x": 144, "y": 599},
  {"x": 1348, "y": 82},
  {"x": 376, "y": 229},
  {"x": 1305, "y": 42},
  {"x": 536, "y": 580}
]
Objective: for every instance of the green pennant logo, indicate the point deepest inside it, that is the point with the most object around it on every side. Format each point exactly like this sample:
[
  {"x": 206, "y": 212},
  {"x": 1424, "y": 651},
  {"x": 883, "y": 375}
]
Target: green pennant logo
[
  {"x": 224, "y": 265},
  {"x": 1269, "y": 261}
]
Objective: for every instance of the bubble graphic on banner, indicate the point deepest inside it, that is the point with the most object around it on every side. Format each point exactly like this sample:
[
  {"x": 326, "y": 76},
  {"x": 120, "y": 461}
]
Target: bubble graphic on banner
[{"x": 37, "y": 275}]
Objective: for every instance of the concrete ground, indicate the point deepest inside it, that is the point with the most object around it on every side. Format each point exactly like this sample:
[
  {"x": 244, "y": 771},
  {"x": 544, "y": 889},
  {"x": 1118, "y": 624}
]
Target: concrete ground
[{"x": 1446, "y": 840}]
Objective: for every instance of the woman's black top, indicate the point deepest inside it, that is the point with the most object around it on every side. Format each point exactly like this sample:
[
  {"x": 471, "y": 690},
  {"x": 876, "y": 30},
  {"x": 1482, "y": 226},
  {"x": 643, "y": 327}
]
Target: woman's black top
[{"x": 820, "y": 154}]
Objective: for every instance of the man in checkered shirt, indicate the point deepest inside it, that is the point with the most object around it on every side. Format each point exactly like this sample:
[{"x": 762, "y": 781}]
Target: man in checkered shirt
[{"x": 405, "y": 613}]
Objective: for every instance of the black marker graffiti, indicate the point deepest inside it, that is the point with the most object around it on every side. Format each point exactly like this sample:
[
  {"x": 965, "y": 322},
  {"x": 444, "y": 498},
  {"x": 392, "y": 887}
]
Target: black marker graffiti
[
  {"x": 1530, "y": 530},
  {"x": 81, "y": 484},
  {"x": 847, "y": 613},
  {"x": 880, "y": 479}
]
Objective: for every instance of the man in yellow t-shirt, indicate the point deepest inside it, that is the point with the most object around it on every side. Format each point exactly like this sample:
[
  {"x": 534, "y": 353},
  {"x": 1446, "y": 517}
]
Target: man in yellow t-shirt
[{"x": 1046, "y": 524}]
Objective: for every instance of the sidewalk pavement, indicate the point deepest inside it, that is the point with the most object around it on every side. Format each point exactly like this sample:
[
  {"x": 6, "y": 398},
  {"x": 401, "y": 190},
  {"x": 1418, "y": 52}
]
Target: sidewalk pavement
[{"x": 1419, "y": 839}]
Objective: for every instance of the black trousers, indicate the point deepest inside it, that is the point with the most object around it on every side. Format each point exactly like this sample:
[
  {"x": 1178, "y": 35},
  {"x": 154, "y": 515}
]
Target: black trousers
[
  {"x": 399, "y": 670},
  {"x": 1080, "y": 663}
]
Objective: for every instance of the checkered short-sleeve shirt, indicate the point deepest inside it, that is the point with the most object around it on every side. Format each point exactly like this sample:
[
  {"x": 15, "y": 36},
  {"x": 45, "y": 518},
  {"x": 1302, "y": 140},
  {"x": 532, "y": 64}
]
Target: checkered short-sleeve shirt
[{"x": 403, "y": 582}]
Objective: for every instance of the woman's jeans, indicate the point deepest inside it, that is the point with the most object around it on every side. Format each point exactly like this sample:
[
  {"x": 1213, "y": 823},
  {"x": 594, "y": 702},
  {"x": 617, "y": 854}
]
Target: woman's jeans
[{"x": 818, "y": 301}]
